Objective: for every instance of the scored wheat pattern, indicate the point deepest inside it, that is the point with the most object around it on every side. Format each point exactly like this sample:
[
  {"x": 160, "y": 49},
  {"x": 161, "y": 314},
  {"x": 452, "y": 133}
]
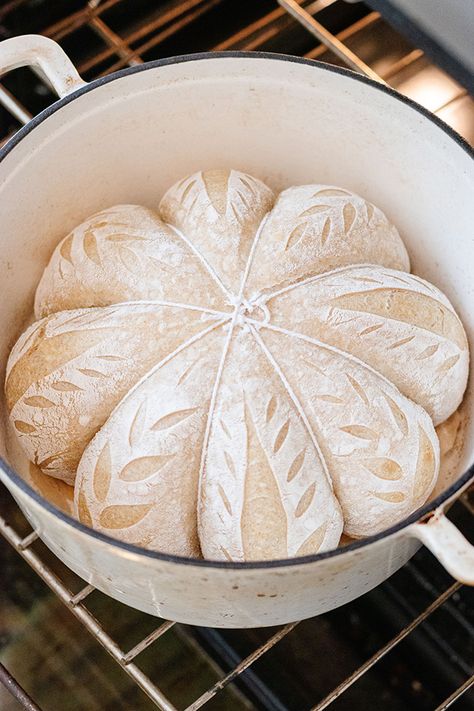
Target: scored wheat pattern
[{"x": 325, "y": 212}]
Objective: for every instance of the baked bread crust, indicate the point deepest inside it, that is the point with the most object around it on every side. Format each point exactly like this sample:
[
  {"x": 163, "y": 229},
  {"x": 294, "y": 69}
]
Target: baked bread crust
[{"x": 238, "y": 376}]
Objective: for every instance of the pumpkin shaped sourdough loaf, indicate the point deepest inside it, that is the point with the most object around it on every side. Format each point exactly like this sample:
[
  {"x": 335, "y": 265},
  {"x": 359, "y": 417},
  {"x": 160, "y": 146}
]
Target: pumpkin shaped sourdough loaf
[{"x": 238, "y": 375}]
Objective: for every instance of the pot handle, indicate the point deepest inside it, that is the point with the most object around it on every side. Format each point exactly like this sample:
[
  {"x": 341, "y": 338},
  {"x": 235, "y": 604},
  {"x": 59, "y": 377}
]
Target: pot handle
[
  {"x": 447, "y": 544},
  {"x": 45, "y": 57}
]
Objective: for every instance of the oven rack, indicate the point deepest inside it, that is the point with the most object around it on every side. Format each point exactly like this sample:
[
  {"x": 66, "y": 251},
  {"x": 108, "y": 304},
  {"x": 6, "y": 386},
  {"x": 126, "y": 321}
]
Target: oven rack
[
  {"x": 127, "y": 49},
  {"x": 117, "y": 50},
  {"x": 77, "y": 605}
]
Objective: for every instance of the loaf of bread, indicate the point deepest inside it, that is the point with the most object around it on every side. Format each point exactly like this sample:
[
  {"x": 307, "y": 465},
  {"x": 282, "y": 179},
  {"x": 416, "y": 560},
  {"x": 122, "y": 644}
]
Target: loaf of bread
[{"x": 238, "y": 376}]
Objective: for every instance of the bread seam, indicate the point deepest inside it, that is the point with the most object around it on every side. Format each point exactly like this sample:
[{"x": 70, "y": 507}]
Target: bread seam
[
  {"x": 225, "y": 350},
  {"x": 292, "y": 395},
  {"x": 351, "y": 267},
  {"x": 159, "y": 365},
  {"x": 326, "y": 346},
  {"x": 309, "y": 280},
  {"x": 158, "y": 302},
  {"x": 212, "y": 273}
]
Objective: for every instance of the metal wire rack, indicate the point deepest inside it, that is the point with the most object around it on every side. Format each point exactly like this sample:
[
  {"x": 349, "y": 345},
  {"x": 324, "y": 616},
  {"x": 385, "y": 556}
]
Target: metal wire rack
[
  {"x": 122, "y": 45},
  {"x": 77, "y": 605}
]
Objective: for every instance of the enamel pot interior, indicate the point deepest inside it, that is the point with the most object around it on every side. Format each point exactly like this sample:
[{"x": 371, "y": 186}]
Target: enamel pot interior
[{"x": 128, "y": 137}]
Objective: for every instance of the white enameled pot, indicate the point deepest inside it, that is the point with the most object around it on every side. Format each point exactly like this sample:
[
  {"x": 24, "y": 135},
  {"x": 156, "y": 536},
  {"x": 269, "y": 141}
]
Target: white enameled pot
[{"x": 127, "y": 137}]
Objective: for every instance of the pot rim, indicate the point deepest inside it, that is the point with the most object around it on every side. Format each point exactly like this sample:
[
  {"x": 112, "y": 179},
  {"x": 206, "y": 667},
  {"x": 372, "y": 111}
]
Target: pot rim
[{"x": 420, "y": 513}]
